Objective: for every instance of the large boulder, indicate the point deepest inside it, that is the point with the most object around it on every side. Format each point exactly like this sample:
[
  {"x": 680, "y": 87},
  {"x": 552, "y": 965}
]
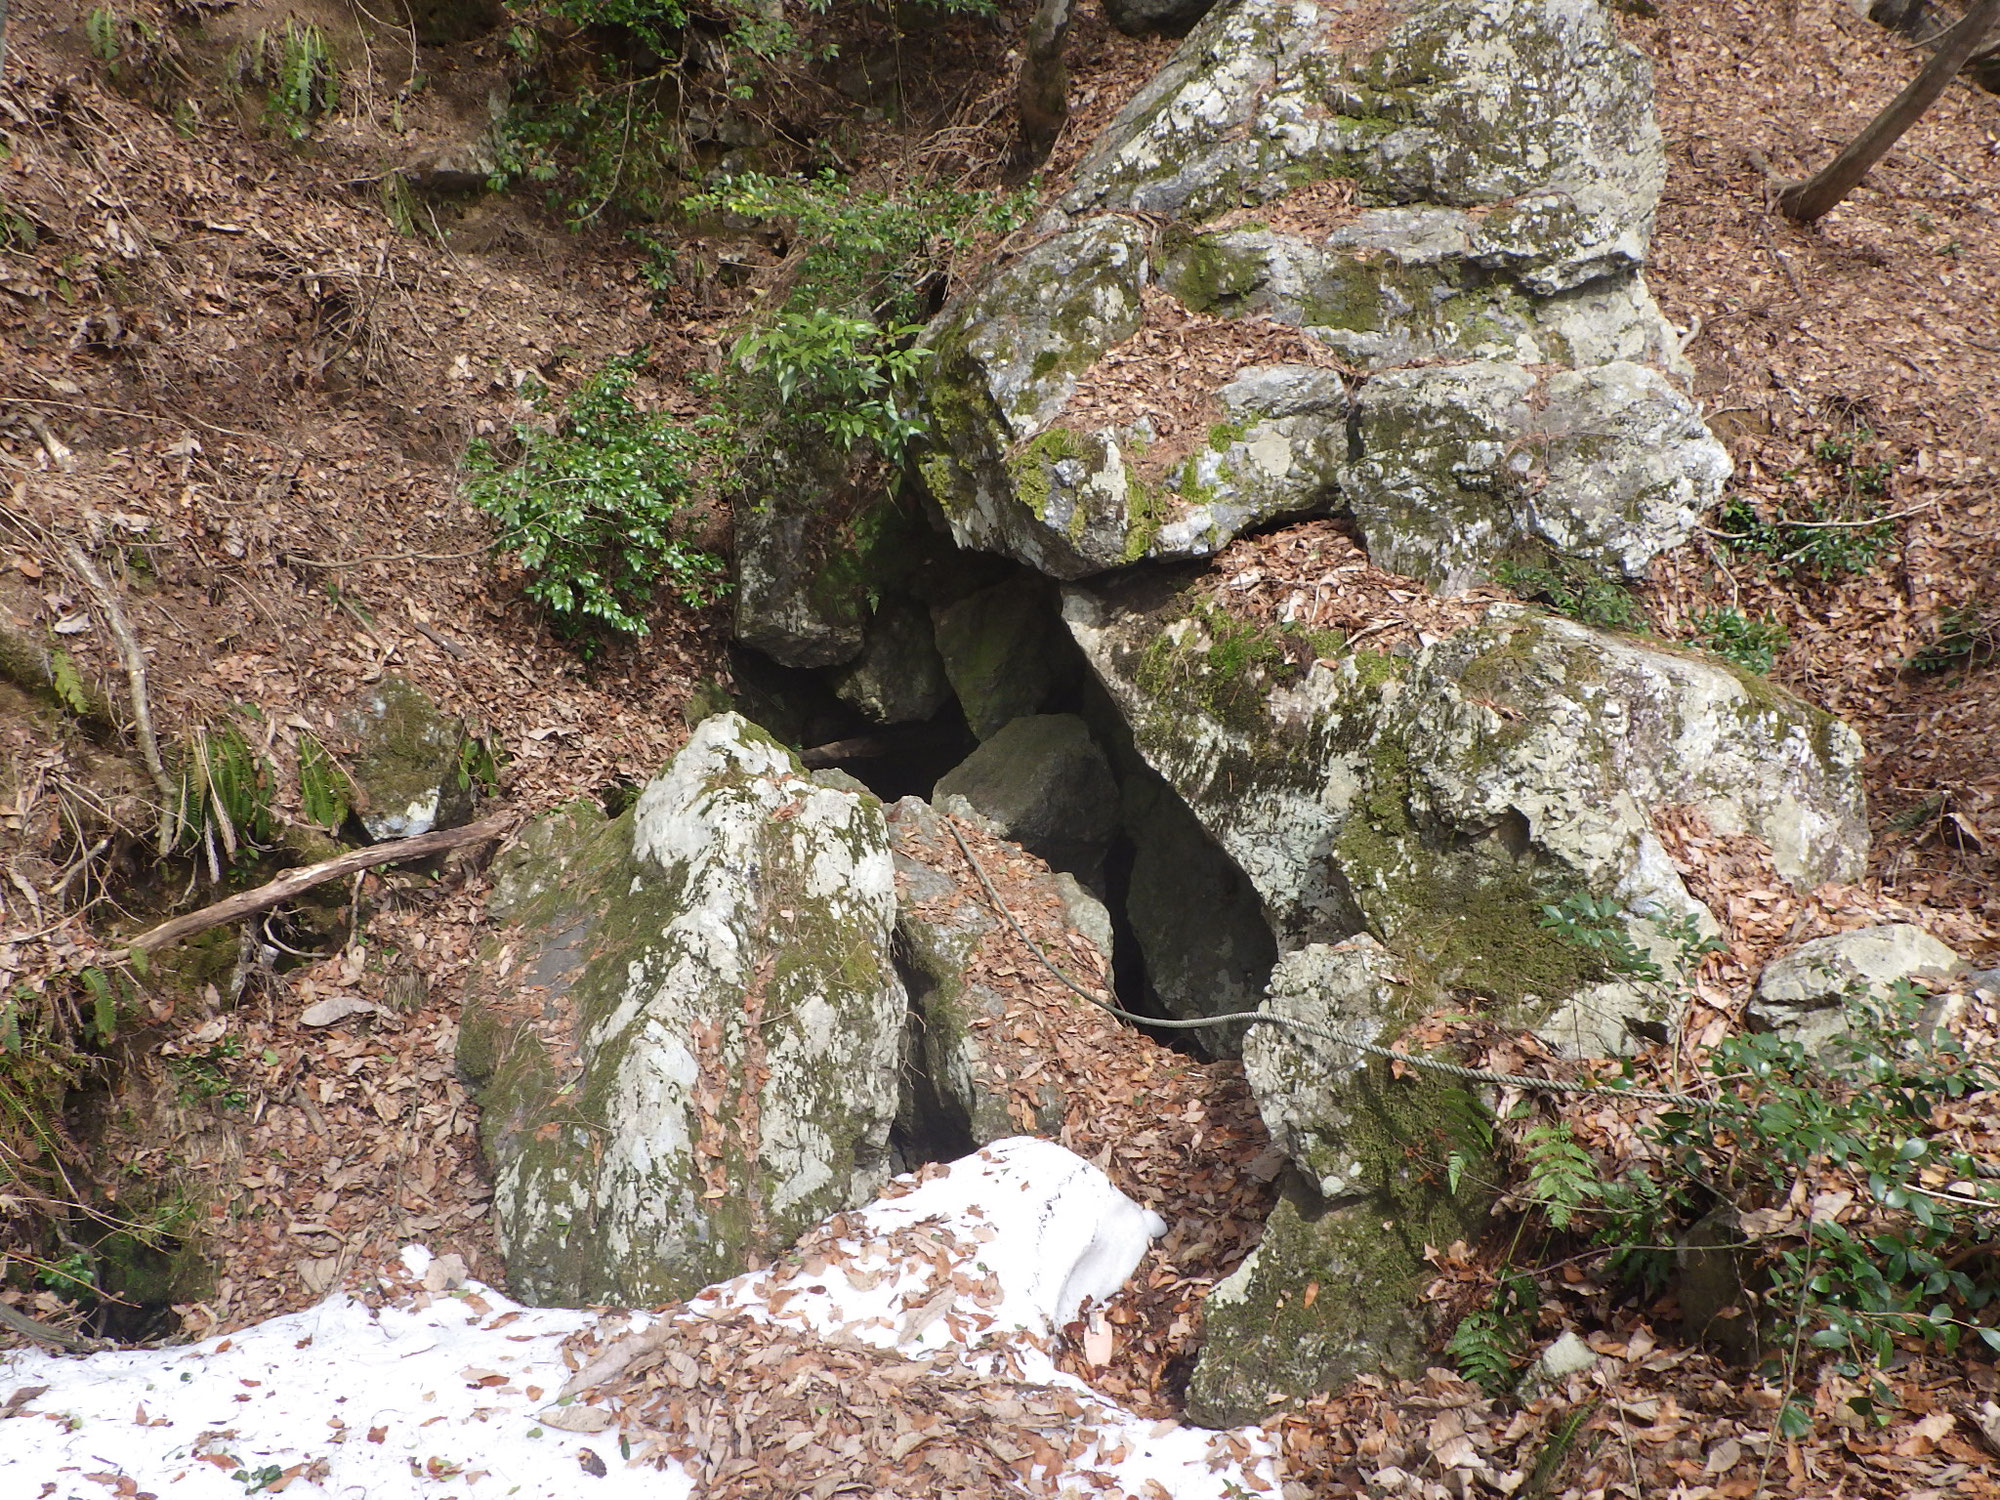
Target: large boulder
[
  {"x": 899, "y": 677},
  {"x": 1442, "y": 799},
  {"x": 1367, "y": 1195},
  {"x": 1042, "y": 782},
  {"x": 1002, "y": 652},
  {"x": 685, "y": 1045},
  {"x": 816, "y": 541},
  {"x": 1476, "y": 189}
]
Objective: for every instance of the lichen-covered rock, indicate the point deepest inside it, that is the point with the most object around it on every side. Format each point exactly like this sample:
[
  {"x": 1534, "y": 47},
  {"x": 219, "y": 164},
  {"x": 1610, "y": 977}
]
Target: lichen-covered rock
[
  {"x": 1367, "y": 1196},
  {"x": 686, "y": 1049},
  {"x": 1043, "y": 783},
  {"x": 1463, "y": 464},
  {"x": 402, "y": 755},
  {"x": 1803, "y": 995},
  {"x": 1534, "y": 111},
  {"x": 1441, "y": 800},
  {"x": 899, "y": 677},
  {"x": 1000, "y": 649},
  {"x": 1507, "y": 167},
  {"x": 813, "y": 545},
  {"x": 957, "y": 1094}
]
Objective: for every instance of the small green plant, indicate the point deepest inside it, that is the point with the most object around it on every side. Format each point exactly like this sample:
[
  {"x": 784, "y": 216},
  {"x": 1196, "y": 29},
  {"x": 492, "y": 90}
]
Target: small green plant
[
  {"x": 104, "y": 28},
  {"x": 842, "y": 377},
  {"x": 480, "y": 759},
  {"x": 68, "y": 683},
  {"x": 588, "y": 510},
  {"x": 297, "y": 71},
  {"x": 204, "y": 1075},
  {"x": 325, "y": 790},
  {"x": 1752, "y": 643},
  {"x": 1964, "y": 638},
  {"x": 75, "y": 1275},
  {"x": 1597, "y": 926},
  {"x": 255, "y": 1480},
  {"x": 224, "y": 799},
  {"x": 1570, "y": 588},
  {"x": 1489, "y": 1345},
  {"x": 1562, "y": 1177}
]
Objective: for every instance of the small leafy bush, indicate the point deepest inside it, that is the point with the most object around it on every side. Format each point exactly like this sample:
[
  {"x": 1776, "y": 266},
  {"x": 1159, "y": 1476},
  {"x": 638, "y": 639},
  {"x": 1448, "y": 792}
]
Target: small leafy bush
[
  {"x": 1964, "y": 638},
  {"x": 841, "y": 377},
  {"x": 1489, "y": 1346},
  {"x": 1911, "y": 1255},
  {"x": 588, "y": 510},
  {"x": 883, "y": 251},
  {"x": 1597, "y": 926},
  {"x": 1752, "y": 643},
  {"x": 1569, "y": 588}
]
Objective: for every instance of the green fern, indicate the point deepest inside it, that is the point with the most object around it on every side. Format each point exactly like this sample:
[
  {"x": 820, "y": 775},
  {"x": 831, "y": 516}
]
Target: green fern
[
  {"x": 68, "y": 682},
  {"x": 1488, "y": 1346},
  {"x": 324, "y": 788},
  {"x": 1561, "y": 1175}
]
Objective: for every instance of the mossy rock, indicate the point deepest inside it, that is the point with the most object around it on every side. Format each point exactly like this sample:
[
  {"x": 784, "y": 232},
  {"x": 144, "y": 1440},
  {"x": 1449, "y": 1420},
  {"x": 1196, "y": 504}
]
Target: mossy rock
[{"x": 685, "y": 1047}]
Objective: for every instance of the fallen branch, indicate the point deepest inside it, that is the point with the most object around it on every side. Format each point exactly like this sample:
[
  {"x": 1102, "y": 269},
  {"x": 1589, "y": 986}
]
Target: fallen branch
[
  {"x": 135, "y": 674},
  {"x": 34, "y": 1328},
  {"x": 293, "y": 882}
]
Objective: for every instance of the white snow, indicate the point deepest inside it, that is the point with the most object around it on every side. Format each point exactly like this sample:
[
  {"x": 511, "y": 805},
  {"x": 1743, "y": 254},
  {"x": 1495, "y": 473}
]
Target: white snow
[{"x": 436, "y": 1394}]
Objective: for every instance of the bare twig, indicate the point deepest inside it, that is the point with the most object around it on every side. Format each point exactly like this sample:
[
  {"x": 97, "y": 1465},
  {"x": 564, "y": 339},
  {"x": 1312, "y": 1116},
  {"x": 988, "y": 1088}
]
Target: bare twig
[
  {"x": 293, "y": 882},
  {"x": 135, "y": 674}
]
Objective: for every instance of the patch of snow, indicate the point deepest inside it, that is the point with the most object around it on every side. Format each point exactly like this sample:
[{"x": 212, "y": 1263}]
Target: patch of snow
[{"x": 444, "y": 1382}]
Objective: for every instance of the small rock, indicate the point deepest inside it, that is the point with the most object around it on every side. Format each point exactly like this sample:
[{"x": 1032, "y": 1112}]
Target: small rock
[
  {"x": 1567, "y": 1356},
  {"x": 403, "y": 758},
  {"x": 999, "y": 652},
  {"x": 1802, "y": 995}
]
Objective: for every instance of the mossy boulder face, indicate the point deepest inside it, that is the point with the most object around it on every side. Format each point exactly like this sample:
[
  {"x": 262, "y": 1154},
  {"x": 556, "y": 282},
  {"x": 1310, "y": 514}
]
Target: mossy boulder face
[
  {"x": 817, "y": 540},
  {"x": 1368, "y": 1189},
  {"x": 1441, "y": 800},
  {"x": 1002, "y": 652},
  {"x": 1041, "y": 782},
  {"x": 402, "y": 755},
  {"x": 899, "y": 677},
  {"x": 1004, "y": 365},
  {"x": 685, "y": 1046},
  {"x": 957, "y": 1094},
  {"x": 1503, "y": 170},
  {"x": 1462, "y": 465}
]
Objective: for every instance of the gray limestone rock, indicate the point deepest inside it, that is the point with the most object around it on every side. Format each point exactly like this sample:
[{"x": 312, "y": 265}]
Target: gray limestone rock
[
  {"x": 1042, "y": 783},
  {"x": 1803, "y": 994},
  {"x": 685, "y": 1045},
  {"x": 899, "y": 677},
  {"x": 1508, "y": 168},
  {"x": 1000, "y": 652},
  {"x": 1463, "y": 465},
  {"x": 1360, "y": 1206},
  {"x": 1441, "y": 800},
  {"x": 402, "y": 754}
]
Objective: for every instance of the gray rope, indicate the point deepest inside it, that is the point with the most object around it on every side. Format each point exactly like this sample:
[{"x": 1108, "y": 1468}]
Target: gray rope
[
  {"x": 1309, "y": 1028},
  {"x": 1990, "y": 1171}
]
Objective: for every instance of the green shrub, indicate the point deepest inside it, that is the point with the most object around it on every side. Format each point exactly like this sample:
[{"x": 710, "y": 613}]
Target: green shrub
[
  {"x": 863, "y": 248},
  {"x": 840, "y": 377},
  {"x": 1570, "y": 588},
  {"x": 588, "y": 510},
  {"x": 1915, "y": 1263},
  {"x": 1753, "y": 644}
]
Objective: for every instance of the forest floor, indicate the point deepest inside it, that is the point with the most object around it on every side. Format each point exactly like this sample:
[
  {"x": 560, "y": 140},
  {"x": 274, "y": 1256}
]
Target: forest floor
[{"x": 223, "y": 362}]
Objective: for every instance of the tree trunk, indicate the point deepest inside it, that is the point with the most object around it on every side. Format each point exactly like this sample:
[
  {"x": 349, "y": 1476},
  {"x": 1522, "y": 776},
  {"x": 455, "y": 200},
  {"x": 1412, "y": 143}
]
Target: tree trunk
[
  {"x": 1810, "y": 200},
  {"x": 1042, "y": 96}
]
